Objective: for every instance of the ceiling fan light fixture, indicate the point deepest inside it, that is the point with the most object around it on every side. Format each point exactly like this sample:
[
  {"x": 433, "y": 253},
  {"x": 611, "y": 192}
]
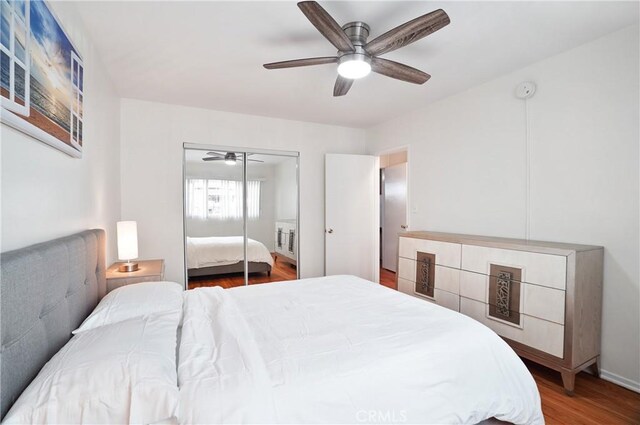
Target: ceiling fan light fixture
[
  {"x": 357, "y": 56},
  {"x": 354, "y": 66},
  {"x": 230, "y": 158}
]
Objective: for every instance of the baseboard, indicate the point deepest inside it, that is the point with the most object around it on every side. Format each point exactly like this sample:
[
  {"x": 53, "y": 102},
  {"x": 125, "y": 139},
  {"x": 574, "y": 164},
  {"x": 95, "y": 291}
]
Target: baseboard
[{"x": 620, "y": 380}]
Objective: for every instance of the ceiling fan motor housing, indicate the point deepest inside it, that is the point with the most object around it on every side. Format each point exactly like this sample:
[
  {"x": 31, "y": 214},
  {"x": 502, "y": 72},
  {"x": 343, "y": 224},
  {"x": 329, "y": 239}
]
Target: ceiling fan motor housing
[{"x": 358, "y": 32}]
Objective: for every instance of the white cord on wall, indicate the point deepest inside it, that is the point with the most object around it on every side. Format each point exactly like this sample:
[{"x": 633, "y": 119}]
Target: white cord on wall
[
  {"x": 527, "y": 150},
  {"x": 524, "y": 91}
]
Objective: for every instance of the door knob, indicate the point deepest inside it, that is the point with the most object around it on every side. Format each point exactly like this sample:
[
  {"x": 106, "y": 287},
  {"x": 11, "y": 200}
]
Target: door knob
[
  {"x": 404, "y": 226},
  {"x": 329, "y": 230}
]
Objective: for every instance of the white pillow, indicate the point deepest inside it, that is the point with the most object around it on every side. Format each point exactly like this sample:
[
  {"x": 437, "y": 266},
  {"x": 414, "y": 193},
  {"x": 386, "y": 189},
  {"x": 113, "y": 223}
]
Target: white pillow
[
  {"x": 119, "y": 373},
  {"x": 137, "y": 300}
]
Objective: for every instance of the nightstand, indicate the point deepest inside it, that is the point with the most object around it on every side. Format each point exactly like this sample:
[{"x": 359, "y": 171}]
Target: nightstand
[{"x": 149, "y": 271}]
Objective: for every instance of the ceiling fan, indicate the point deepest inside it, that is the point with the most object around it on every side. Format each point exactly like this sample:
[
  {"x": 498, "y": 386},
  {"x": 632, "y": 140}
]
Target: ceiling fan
[
  {"x": 356, "y": 57},
  {"x": 229, "y": 158}
]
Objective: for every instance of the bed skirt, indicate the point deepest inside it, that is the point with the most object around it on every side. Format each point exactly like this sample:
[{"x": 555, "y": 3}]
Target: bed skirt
[{"x": 254, "y": 267}]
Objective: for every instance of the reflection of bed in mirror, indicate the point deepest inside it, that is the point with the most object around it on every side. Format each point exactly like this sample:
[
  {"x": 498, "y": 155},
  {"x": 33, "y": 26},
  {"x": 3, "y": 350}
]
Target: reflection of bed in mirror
[{"x": 208, "y": 256}]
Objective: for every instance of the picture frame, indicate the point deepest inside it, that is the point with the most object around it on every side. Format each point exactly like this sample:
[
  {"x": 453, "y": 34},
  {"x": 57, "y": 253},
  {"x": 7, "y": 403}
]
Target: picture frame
[{"x": 42, "y": 76}]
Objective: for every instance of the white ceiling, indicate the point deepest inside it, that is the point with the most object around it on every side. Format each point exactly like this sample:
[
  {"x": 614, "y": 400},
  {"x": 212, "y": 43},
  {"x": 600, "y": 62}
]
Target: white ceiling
[{"x": 210, "y": 54}]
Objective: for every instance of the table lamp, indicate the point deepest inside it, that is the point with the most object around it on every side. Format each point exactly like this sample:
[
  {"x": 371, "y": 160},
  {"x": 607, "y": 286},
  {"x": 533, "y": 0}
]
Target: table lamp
[{"x": 127, "y": 245}]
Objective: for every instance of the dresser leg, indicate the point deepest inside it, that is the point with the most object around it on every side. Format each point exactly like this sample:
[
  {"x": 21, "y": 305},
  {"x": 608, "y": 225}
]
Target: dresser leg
[
  {"x": 569, "y": 381},
  {"x": 595, "y": 367}
]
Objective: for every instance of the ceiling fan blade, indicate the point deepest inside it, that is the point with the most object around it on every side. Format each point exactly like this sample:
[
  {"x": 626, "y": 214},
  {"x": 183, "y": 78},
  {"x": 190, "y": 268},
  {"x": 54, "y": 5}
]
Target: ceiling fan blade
[
  {"x": 398, "y": 71},
  {"x": 212, "y": 158},
  {"x": 342, "y": 86},
  {"x": 408, "y": 32},
  {"x": 301, "y": 62},
  {"x": 326, "y": 25},
  {"x": 216, "y": 154},
  {"x": 254, "y": 160}
]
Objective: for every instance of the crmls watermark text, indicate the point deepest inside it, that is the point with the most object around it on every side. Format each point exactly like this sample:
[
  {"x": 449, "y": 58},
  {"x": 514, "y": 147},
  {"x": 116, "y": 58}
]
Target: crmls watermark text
[{"x": 382, "y": 416}]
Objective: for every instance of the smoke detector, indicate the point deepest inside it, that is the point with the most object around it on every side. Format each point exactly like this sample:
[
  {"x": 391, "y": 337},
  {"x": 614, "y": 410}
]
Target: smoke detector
[{"x": 525, "y": 90}]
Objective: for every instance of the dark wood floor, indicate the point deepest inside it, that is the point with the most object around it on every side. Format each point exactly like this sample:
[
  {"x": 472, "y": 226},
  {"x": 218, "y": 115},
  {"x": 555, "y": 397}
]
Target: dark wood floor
[
  {"x": 280, "y": 271},
  {"x": 388, "y": 278},
  {"x": 596, "y": 401}
]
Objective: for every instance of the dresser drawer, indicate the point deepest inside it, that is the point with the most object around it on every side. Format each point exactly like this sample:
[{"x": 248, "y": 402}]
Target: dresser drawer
[
  {"x": 446, "y": 279},
  {"x": 537, "y": 301},
  {"x": 406, "y": 269},
  {"x": 447, "y": 299},
  {"x": 474, "y": 286},
  {"x": 544, "y": 303},
  {"x": 447, "y": 254},
  {"x": 406, "y": 286},
  {"x": 542, "y": 269},
  {"x": 536, "y": 333},
  {"x": 443, "y": 298}
]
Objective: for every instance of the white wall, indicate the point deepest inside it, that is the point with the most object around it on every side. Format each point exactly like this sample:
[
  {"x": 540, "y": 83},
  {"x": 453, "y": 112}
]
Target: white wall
[
  {"x": 151, "y": 162},
  {"x": 260, "y": 229},
  {"x": 47, "y": 194},
  {"x": 466, "y": 169}
]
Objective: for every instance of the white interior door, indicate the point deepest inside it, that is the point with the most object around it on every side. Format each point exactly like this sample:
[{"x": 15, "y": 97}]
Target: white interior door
[
  {"x": 395, "y": 213},
  {"x": 352, "y": 216}
]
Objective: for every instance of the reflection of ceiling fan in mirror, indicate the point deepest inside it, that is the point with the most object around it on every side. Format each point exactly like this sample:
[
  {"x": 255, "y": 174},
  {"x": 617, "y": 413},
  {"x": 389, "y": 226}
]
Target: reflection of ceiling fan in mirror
[{"x": 229, "y": 158}]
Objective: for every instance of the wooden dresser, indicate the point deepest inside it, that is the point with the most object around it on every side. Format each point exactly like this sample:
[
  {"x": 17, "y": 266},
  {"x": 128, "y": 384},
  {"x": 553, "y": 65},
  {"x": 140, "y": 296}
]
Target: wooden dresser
[{"x": 543, "y": 298}]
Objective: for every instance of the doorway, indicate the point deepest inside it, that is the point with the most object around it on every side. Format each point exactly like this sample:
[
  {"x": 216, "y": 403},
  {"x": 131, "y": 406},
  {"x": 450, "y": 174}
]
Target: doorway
[
  {"x": 393, "y": 212},
  {"x": 240, "y": 216}
]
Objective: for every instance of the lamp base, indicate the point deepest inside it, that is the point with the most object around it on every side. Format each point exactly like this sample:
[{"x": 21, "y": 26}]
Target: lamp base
[{"x": 128, "y": 267}]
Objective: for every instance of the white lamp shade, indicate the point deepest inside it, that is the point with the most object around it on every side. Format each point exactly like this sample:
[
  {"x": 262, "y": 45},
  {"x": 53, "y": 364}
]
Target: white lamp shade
[{"x": 127, "y": 240}]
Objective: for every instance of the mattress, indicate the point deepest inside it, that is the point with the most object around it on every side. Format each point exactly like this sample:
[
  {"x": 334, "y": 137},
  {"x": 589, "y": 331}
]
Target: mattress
[
  {"x": 223, "y": 251},
  {"x": 341, "y": 349}
]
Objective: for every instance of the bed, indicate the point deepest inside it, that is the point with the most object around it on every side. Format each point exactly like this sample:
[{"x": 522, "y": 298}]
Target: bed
[
  {"x": 341, "y": 349},
  {"x": 337, "y": 349},
  {"x": 208, "y": 256}
]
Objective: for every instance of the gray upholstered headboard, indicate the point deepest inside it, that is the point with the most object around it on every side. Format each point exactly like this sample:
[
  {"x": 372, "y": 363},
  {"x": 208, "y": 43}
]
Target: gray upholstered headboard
[{"x": 46, "y": 291}]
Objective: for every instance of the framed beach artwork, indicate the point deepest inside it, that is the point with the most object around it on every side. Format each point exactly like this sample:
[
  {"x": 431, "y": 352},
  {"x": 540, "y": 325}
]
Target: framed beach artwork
[{"x": 42, "y": 80}]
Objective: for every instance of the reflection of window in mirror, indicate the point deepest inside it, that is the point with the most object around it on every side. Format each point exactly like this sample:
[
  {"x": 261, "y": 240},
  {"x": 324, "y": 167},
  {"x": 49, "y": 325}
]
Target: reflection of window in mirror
[{"x": 217, "y": 199}]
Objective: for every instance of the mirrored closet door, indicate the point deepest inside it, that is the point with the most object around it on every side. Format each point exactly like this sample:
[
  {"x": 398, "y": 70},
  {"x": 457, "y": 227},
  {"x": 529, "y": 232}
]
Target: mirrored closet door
[{"x": 240, "y": 216}]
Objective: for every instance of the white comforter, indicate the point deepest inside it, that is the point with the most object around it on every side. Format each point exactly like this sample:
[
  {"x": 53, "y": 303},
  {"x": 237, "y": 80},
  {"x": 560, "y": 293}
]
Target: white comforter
[
  {"x": 221, "y": 251},
  {"x": 343, "y": 350}
]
